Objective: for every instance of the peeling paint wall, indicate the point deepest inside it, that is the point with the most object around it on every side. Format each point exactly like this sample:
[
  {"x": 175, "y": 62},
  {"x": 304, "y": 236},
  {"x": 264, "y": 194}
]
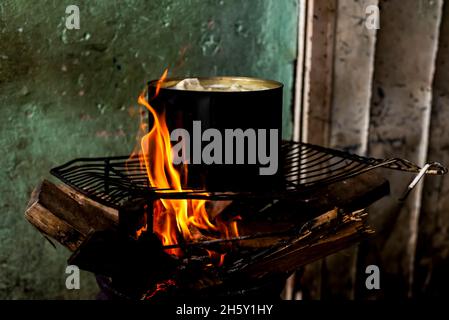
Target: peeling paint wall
[{"x": 71, "y": 93}]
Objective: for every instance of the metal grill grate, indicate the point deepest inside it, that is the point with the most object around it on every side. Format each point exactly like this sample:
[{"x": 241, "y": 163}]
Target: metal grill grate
[{"x": 114, "y": 180}]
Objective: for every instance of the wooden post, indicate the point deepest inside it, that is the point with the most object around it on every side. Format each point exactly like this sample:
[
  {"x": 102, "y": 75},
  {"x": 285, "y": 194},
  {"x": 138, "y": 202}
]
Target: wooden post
[{"x": 314, "y": 93}]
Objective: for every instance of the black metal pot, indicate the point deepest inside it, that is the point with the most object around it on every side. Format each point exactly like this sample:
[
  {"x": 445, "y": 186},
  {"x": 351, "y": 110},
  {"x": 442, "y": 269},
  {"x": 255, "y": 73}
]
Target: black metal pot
[{"x": 259, "y": 108}]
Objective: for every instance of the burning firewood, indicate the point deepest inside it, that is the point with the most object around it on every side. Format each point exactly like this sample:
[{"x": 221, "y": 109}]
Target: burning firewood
[{"x": 275, "y": 239}]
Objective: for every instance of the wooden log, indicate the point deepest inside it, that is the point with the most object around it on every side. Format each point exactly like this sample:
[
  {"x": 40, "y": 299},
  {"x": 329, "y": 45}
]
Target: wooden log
[
  {"x": 78, "y": 210},
  {"x": 66, "y": 215},
  {"x": 50, "y": 225},
  {"x": 323, "y": 235}
]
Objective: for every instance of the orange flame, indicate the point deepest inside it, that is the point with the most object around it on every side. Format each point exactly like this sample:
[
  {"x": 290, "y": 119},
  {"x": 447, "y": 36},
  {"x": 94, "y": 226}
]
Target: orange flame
[{"x": 174, "y": 218}]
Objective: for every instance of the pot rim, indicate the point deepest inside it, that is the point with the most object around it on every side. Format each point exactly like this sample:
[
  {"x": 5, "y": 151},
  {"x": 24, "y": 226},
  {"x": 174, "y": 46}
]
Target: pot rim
[{"x": 265, "y": 84}]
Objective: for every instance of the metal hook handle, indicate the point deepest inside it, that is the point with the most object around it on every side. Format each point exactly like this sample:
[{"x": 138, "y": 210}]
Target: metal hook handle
[{"x": 415, "y": 181}]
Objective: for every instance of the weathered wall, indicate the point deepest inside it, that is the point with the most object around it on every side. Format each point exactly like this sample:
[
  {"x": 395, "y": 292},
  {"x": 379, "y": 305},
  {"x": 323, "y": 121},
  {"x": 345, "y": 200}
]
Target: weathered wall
[
  {"x": 71, "y": 93},
  {"x": 399, "y": 119},
  {"x": 389, "y": 98},
  {"x": 432, "y": 253}
]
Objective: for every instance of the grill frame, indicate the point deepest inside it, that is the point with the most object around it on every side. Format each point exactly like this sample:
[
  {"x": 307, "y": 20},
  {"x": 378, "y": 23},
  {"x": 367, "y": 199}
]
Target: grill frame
[{"x": 112, "y": 181}]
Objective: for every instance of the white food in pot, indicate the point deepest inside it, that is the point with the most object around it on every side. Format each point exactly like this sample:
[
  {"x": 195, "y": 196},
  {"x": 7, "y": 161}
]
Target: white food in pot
[
  {"x": 189, "y": 84},
  {"x": 195, "y": 85}
]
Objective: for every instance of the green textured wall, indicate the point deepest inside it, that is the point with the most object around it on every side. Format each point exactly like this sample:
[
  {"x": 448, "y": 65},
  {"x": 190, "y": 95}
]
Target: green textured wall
[{"x": 71, "y": 93}]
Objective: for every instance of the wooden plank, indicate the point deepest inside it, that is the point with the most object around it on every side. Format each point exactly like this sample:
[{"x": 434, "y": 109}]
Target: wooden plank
[
  {"x": 351, "y": 95},
  {"x": 299, "y": 79},
  {"x": 316, "y": 100},
  {"x": 400, "y": 112},
  {"x": 318, "y": 71},
  {"x": 432, "y": 255}
]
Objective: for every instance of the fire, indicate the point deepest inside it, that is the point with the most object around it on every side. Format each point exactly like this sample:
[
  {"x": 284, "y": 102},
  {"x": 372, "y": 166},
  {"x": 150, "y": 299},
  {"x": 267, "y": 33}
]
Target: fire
[{"x": 175, "y": 219}]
